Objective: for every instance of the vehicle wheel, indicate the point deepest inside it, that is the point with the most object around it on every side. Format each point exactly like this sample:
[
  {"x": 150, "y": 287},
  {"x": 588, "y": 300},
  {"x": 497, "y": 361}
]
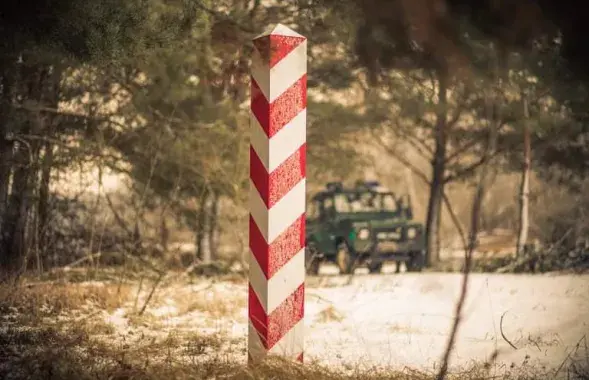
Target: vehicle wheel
[
  {"x": 416, "y": 263},
  {"x": 312, "y": 262},
  {"x": 345, "y": 259},
  {"x": 375, "y": 267}
]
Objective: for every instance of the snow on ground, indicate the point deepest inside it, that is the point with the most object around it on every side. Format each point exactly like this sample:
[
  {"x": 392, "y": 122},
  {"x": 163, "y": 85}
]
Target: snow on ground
[
  {"x": 395, "y": 320},
  {"x": 403, "y": 320}
]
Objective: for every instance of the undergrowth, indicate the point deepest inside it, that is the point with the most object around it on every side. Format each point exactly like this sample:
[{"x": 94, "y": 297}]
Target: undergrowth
[
  {"x": 47, "y": 353},
  {"x": 48, "y": 333}
]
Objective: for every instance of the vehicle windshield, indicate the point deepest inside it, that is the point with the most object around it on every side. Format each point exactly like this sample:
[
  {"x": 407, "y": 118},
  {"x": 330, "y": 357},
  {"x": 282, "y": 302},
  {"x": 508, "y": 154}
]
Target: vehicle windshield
[
  {"x": 389, "y": 203},
  {"x": 313, "y": 210},
  {"x": 341, "y": 203},
  {"x": 365, "y": 202}
]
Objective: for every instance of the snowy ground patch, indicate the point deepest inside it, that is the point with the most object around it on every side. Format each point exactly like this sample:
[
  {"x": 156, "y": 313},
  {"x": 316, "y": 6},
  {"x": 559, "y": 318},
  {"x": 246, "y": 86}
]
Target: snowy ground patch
[
  {"x": 399, "y": 320},
  {"x": 403, "y": 320}
]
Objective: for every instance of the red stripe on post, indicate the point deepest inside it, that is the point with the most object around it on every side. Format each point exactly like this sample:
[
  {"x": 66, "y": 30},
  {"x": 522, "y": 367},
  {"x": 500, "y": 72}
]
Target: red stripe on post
[
  {"x": 271, "y": 328},
  {"x": 273, "y": 117},
  {"x": 272, "y": 187},
  {"x": 274, "y": 48},
  {"x": 272, "y": 257}
]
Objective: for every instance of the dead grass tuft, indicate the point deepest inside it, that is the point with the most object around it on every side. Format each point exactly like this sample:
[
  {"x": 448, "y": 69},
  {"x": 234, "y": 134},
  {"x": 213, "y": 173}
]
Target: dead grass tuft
[
  {"x": 45, "y": 299},
  {"x": 579, "y": 371},
  {"x": 402, "y": 329},
  {"x": 329, "y": 314},
  {"x": 211, "y": 302}
]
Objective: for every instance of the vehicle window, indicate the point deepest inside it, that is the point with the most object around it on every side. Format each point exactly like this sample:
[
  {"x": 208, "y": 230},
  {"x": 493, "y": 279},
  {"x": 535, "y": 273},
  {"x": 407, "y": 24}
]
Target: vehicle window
[
  {"x": 389, "y": 203},
  {"x": 327, "y": 210},
  {"x": 364, "y": 202},
  {"x": 328, "y": 203},
  {"x": 341, "y": 203},
  {"x": 313, "y": 210}
]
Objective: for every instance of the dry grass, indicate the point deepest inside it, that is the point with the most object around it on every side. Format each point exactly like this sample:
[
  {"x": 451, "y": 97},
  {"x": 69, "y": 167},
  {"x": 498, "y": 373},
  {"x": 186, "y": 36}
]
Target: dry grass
[
  {"x": 52, "y": 354},
  {"x": 43, "y": 299},
  {"x": 329, "y": 314},
  {"x": 85, "y": 345},
  {"x": 210, "y": 301}
]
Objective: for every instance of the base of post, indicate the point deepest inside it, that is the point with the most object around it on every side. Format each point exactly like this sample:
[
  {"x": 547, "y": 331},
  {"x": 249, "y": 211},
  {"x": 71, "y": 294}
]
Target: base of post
[{"x": 252, "y": 362}]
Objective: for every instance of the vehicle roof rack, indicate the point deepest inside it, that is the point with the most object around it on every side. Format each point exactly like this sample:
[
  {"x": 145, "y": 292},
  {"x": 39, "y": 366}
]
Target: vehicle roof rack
[
  {"x": 367, "y": 184},
  {"x": 372, "y": 184}
]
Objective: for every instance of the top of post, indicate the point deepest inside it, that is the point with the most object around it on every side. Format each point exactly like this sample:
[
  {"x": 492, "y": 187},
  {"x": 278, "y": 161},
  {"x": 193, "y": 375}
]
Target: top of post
[{"x": 279, "y": 30}]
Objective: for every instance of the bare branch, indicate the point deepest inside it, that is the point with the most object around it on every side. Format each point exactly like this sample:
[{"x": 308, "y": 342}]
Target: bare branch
[
  {"x": 470, "y": 169},
  {"x": 502, "y": 334},
  {"x": 463, "y": 291},
  {"x": 157, "y": 282},
  {"x": 472, "y": 242},
  {"x": 391, "y": 151},
  {"x": 118, "y": 218},
  {"x": 468, "y": 145},
  {"x": 462, "y": 149},
  {"x": 464, "y": 172},
  {"x": 455, "y": 219},
  {"x": 419, "y": 145},
  {"x": 425, "y": 179}
]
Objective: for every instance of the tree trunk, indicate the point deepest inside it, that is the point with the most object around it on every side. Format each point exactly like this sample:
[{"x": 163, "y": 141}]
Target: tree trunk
[
  {"x": 137, "y": 240},
  {"x": 6, "y": 145},
  {"x": 203, "y": 253},
  {"x": 438, "y": 250},
  {"x": 484, "y": 180},
  {"x": 412, "y": 193},
  {"x": 13, "y": 244},
  {"x": 43, "y": 205},
  {"x": 5, "y": 173},
  {"x": 53, "y": 91},
  {"x": 213, "y": 226},
  {"x": 434, "y": 208},
  {"x": 522, "y": 235},
  {"x": 164, "y": 234}
]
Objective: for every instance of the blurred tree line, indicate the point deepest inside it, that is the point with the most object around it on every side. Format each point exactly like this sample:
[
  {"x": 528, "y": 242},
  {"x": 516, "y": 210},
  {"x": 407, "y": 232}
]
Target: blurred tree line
[
  {"x": 158, "y": 91},
  {"x": 473, "y": 87}
]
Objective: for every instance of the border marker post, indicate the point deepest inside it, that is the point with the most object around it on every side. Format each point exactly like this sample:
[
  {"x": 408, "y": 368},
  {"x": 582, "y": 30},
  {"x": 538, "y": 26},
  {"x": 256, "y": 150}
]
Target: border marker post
[{"x": 277, "y": 195}]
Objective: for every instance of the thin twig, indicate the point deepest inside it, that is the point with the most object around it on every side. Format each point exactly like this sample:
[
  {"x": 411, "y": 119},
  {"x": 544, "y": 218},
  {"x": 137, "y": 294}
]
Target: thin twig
[
  {"x": 157, "y": 282},
  {"x": 577, "y": 346},
  {"x": 457, "y": 314},
  {"x": 320, "y": 298},
  {"x": 118, "y": 217},
  {"x": 80, "y": 261},
  {"x": 502, "y": 334},
  {"x": 468, "y": 252},
  {"x": 138, "y": 292}
]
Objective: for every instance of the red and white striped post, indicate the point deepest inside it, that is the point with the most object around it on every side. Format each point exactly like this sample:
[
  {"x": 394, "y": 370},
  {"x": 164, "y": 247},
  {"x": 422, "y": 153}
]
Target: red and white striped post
[{"x": 277, "y": 194}]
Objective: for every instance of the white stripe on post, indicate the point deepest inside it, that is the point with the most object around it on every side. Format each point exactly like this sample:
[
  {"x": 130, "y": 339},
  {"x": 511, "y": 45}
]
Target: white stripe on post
[{"x": 277, "y": 194}]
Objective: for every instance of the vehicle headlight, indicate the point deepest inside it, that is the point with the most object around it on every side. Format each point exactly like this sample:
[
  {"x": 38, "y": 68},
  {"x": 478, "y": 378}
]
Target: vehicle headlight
[
  {"x": 411, "y": 233},
  {"x": 363, "y": 234}
]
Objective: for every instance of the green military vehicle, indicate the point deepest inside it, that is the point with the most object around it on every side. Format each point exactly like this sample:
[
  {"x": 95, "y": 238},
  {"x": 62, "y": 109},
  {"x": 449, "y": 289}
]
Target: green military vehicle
[{"x": 364, "y": 225}]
